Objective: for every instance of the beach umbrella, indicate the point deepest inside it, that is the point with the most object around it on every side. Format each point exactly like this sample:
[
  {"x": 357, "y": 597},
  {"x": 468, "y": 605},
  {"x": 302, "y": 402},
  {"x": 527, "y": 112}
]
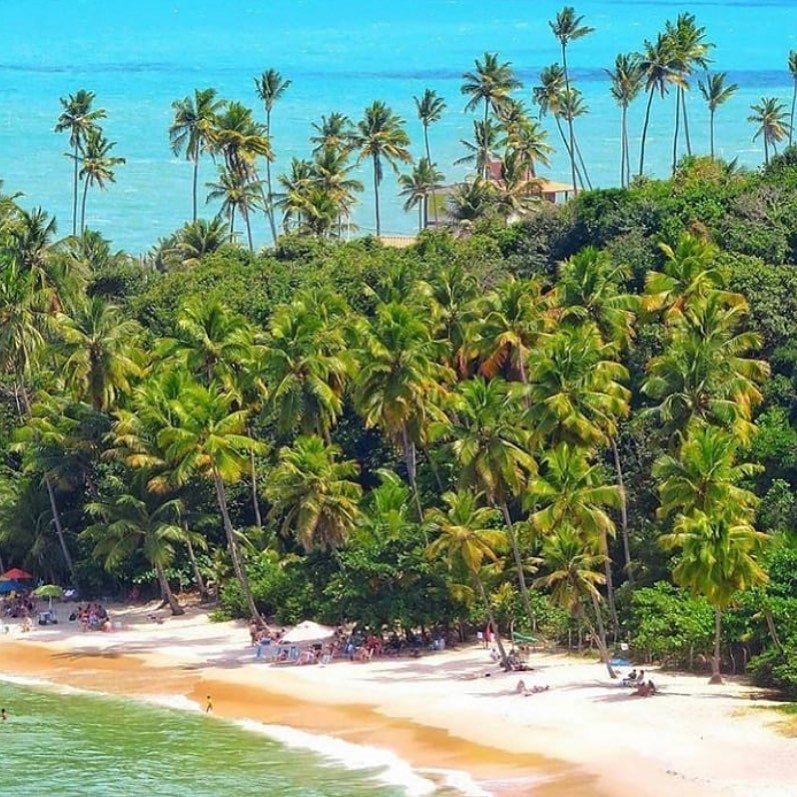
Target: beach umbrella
[
  {"x": 307, "y": 632},
  {"x": 16, "y": 574},
  {"x": 48, "y": 591},
  {"x": 12, "y": 586}
]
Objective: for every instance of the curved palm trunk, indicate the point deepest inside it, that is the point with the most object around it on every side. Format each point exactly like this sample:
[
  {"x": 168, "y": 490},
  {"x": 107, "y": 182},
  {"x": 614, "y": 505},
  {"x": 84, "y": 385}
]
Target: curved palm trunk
[
  {"x": 200, "y": 582},
  {"x": 571, "y": 133},
  {"x": 600, "y": 638},
  {"x": 607, "y": 569},
  {"x": 59, "y": 529},
  {"x": 568, "y": 150},
  {"x": 166, "y": 591},
  {"x": 232, "y": 544},
  {"x": 623, "y": 513},
  {"x": 583, "y": 167},
  {"x": 83, "y": 207},
  {"x": 410, "y": 461},
  {"x": 491, "y": 618},
  {"x": 74, "y": 192},
  {"x": 376, "y": 196},
  {"x": 194, "y": 188},
  {"x": 687, "y": 137},
  {"x": 793, "y": 108},
  {"x": 645, "y": 133},
  {"x": 524, "y": 591},
  {"x": 677, "y": 127},
  {"x": 716, "y": 675}
]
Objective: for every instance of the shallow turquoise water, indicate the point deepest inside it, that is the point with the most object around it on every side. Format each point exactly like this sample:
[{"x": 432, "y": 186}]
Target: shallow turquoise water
[
  {"x": 77, "y": 745},
  {"x": 140, "y": 56}
]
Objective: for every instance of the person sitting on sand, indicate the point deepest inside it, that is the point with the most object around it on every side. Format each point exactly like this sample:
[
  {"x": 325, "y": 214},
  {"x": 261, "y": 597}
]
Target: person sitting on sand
[
  {"x": 646, "y": 689},
  {"x": 522, "y": 689}
]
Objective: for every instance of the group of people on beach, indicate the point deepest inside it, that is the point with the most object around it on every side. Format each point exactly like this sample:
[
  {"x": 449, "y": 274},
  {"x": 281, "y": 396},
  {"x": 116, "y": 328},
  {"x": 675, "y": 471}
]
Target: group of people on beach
[
  {"x": 636, "y": 680},
  {"x": 92, "y": 617}
]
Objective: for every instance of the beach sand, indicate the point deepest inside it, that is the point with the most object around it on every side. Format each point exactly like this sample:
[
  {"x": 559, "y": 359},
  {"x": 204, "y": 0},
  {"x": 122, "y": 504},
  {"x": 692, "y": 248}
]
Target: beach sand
[{"x": 583, "y": 737}]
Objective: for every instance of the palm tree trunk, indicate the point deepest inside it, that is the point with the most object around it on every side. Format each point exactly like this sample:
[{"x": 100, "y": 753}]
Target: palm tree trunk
[
  {"x": 491, "y": 619},
  {"x": 583, "y": 166},
  {"x": 196, "y": 179},
  {"x": 607, "y": 569},
  {"x": 83, "y": 207},
  {"x": 716, "y": 676},
  {"x": 410, "y": 461},
  {"x": 645, "y": 133},
  {"x": 711, "y": 132},
  {"x": 770, "y": 620},
  {"x": 677, "y": 127},
  {"x": 623, "y": 117},
  {"x": 59, "y": 529},
  {"x": 200, "y": 582},
  {"x": 766, "y": 150},
  {"x": 793, "y": 108},
  {"x": 166, "y": 591},
  {"x": 255, "y": 502},
  {"x": 524, "y": 591},
  {"x": 74, "y": 192},
  {"x": 270, "y": 202},
  {"x": 572, "y": 145},
  {"x": 429, "y": 158},
  {"x": 687, "y": 137},
  {"x": 376, "y": 197},
  {"x": 601, "y": 636},
  {"x": 245, "y": 214},
  {"x": 232, "y": 224},
  {"x": 232, "y": 544},
  {"x": 567, "y": 148},
  {"x": 618, "y": 468}
]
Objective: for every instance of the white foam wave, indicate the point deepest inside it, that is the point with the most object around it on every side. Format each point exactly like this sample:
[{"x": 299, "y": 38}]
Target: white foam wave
[
  {"x": 176, "y": 702},
  {"x": 41, "y": 683}
]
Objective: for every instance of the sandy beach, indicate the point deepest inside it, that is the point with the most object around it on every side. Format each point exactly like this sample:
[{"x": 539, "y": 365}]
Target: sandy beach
[{"x": 584, "y": 736}]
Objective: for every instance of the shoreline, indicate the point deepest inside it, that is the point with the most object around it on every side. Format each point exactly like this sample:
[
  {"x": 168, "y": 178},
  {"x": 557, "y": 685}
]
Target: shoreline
[{"x": 584, "y": 737}]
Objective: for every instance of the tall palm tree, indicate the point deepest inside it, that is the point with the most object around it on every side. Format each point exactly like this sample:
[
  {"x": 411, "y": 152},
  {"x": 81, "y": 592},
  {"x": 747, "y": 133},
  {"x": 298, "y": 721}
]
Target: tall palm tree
[
  {"x": 78, "y": 118},
  {"x": 381, "y": 137},
  {"x": 430, "y": 107},
  {"x": 472, "y": 201},
  {"x": 567, "y": 27},
  {"x": 573, "y": 576},
  {"x": 571, "y": 106},
  {"x": 270, "y": 87},
  {"x": 626, "y": 80},
  {"x": 400, "y": 383},
  {"x": 332, "y": 175},
  {"x": 313, "y": 494},
  {"x": 295, "y": 186},
  {"x": 190, "y": 131},
  {"x": 138, "y": 519},
  {"x": 772, "y": 119},
  {"x": 793, "y": 71},
  {"x": 526, "y": 141},
  {"x": 418, "y": 186},
  {"x": 491, "y": 83},
  {"x": 101, "y": 359},
  {"x": 493, "y": 452},
  {"x": 548, "y": 95},
  {"x": 97, "y": 166},
  {"x": 240, "y": 140},
  {"x": 716, "y": 93},
  {"x": 467, "y": 536},
  {"x": 659, "y": 71},
  {"x": 200, "y": 238},
  {"x": 487, "y": 139},
  {"x": 689, "y": 50}
]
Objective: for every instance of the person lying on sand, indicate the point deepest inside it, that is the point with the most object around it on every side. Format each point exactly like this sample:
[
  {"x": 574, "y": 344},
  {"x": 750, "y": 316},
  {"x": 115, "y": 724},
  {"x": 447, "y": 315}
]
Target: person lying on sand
[
  {"x": 645, "y": 690},
  {"x": 522, "y": 689}
]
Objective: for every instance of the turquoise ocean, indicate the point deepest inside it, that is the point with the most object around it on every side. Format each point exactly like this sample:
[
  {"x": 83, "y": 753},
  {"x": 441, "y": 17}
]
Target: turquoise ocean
[
  {"x": 139, "y": 56},
  {"x": 70, "y": 743}
]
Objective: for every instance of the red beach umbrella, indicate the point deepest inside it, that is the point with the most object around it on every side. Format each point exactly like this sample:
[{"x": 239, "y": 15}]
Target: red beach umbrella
[{"x": 16, "y": 574}]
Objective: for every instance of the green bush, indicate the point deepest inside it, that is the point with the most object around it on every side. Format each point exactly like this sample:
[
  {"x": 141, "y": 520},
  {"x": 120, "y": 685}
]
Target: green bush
[{"x": 776, "y": 669}]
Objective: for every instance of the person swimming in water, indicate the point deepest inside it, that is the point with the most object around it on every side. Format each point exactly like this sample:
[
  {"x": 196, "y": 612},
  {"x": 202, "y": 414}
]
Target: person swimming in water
[{"x": 3, "y": 715}]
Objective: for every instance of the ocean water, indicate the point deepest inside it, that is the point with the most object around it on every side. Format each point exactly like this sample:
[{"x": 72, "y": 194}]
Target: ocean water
[
  {"x": 140, "y": 56},
  {"x": 65, "y": 742}
]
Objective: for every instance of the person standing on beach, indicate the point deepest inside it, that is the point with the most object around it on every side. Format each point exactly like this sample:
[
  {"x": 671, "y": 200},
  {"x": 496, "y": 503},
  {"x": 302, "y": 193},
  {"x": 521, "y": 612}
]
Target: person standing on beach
[{"x": 208, "y": 705}]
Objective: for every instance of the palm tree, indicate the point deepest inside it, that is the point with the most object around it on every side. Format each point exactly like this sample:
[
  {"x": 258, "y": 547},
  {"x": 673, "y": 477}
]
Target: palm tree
[
  {"x": 467, "y": 536},
  {"x": 430, "y": 107},
  {"x": 240, "y": 140},
  {"x": 237, "y": 193},
  {"x": 203, "y": 436},
  {"x": 716, "y": 93},
  {"x": 567, "y": 28},
  {"x": 190, "y": 131},
  {"x": 626, "y": 80},
  {"x": 270, "y": 87},
  {"x": 491, "y": 83},
  {"x": 313, "y": 494},
  {"x": 659, "y": 70},
  {"x": 133, "y": 520},
  {"x": 526, "y": 142},
  {"x": 78, "y": 118},
  {"x": 332, "y": 175},
  {"x": 381, "y": 137},
  {"x": 571, "y": 106},
  {"x": 493, "y": 452},
  {"x": 400, "y": 383},
  {"x": 335, "y": 132},
  {"x": 98, "y": 344},
  {"x": 296, "y": 185},
  {"x": 718, "y": 557},
  {"x": 200, "y": 238},
  {"x": 689, "y": 49},
  {"x": 793, "y": 72},
  {"x": 548, "y": 95},
  {"x": 573, "y": 575},
  {"x": 472, "y": 201},
  {"x": 487, "y": 139},
  {"x": 772, "y": 120},
  {"x": 97, "y": 166},
  {"x": 418, "y": 186}
]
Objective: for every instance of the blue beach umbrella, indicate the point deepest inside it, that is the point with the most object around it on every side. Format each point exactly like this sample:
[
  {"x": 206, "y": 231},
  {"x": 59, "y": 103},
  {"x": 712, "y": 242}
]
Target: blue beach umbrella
[{"x": 12, "y": 586}]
